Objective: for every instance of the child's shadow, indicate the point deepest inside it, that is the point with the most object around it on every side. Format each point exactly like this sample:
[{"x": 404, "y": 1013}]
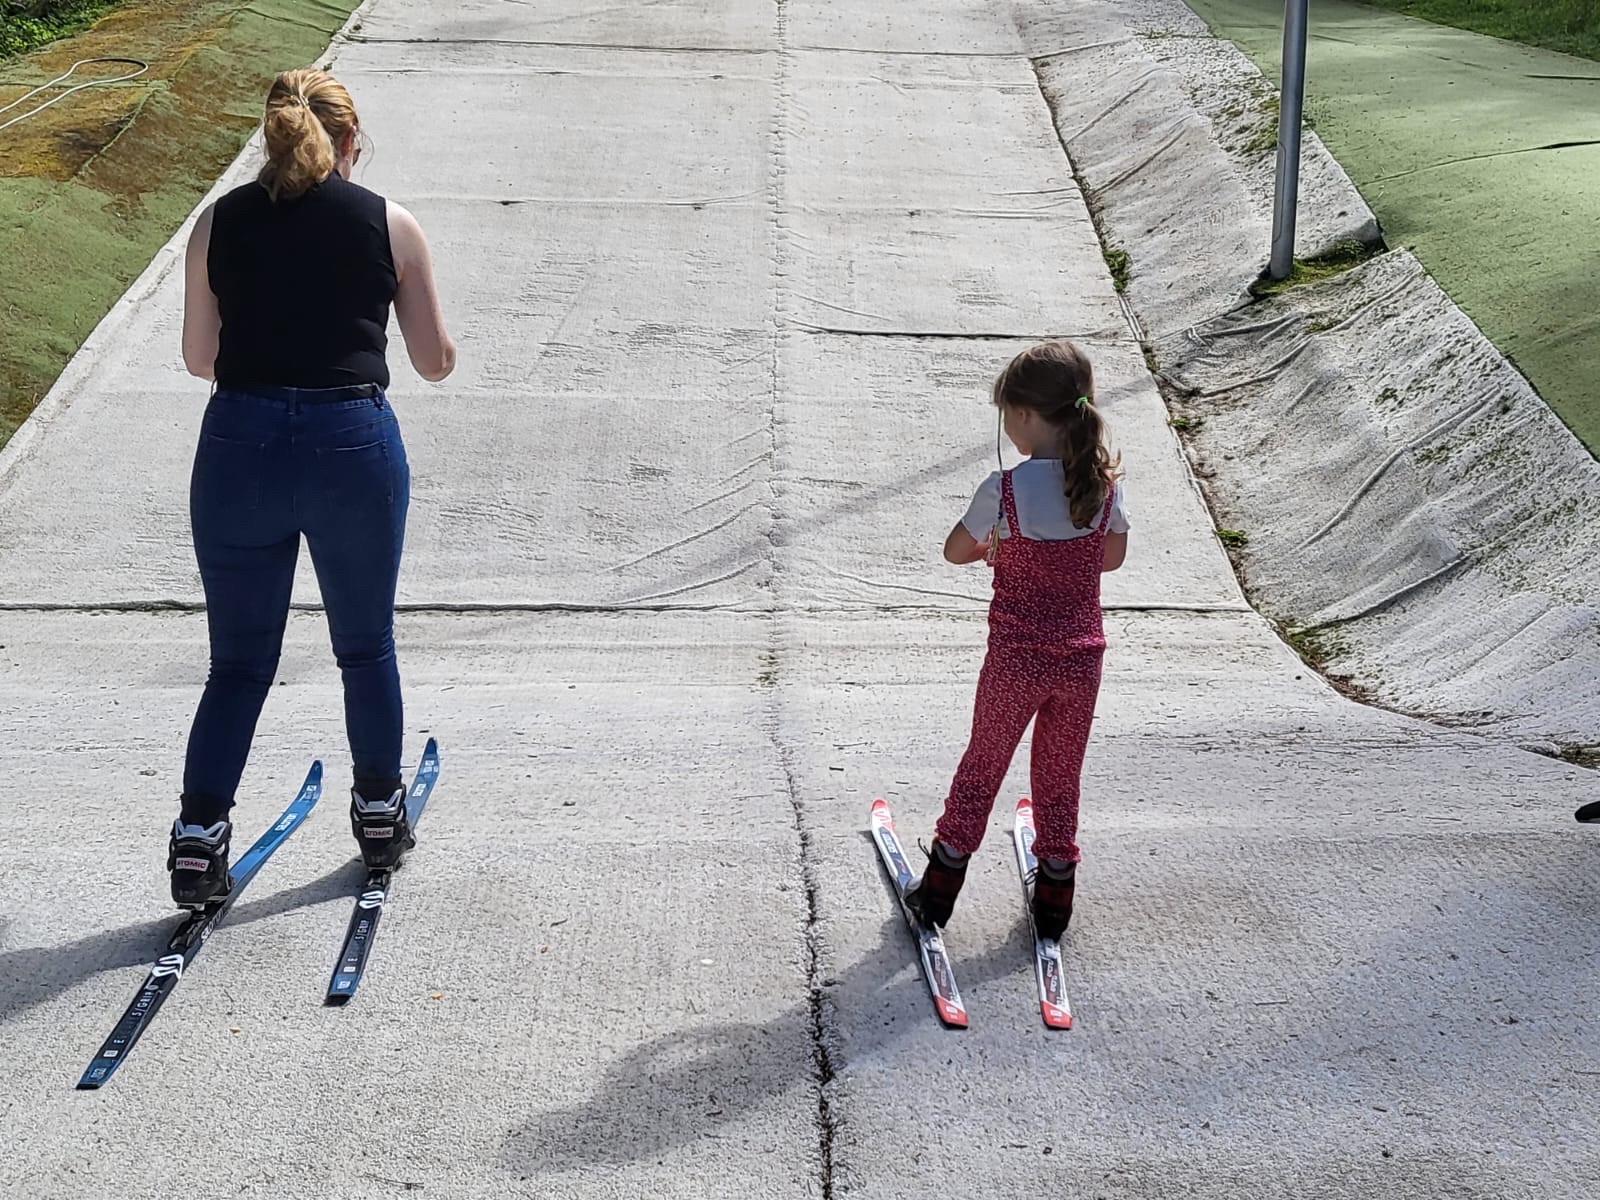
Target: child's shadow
[{"x": 720, "y": 1081}]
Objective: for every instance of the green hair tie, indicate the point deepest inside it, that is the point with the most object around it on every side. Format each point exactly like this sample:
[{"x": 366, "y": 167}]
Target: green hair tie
[{"x": 1083, "y": 403}]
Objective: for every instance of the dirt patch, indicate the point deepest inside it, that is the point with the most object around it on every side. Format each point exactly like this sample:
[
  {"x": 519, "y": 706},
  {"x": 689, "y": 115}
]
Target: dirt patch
[{"x": 92, "y": 188}]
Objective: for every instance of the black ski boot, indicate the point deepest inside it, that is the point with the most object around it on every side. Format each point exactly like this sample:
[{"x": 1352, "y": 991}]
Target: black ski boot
[
  {"x": 1590, "y": 813},
  {"x": 197, "y": 856},
  {"x": 932, "y": 898},
  {"x": 1052, "y": 900},
  {"x": 382, "y": 829}
]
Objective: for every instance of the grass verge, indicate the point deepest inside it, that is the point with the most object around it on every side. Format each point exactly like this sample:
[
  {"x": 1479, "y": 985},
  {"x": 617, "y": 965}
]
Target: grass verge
[
  {"x": 26, "y": 26},
  {"x": 92, "y": 188},
  {"x": 1570, "y": 26}
]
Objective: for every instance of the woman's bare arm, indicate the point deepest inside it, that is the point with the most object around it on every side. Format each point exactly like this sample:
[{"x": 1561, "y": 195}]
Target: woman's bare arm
[
  {"x": 202, "y": 321},
  {"x": 416, "y": 300}
]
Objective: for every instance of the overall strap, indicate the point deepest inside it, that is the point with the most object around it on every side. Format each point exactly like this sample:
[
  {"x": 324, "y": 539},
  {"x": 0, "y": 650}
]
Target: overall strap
[
  {"x": 1008, "y": 504},
  {"x": 1111, "y": 498}
]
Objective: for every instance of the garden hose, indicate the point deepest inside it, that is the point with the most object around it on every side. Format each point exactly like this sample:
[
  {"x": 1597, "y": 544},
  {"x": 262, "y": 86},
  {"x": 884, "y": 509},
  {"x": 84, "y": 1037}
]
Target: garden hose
[{"x": 59, "y": 79}]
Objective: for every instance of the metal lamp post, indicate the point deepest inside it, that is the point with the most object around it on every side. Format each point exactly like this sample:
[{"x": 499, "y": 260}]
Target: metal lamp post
[{"x": 1291, "y": 107}]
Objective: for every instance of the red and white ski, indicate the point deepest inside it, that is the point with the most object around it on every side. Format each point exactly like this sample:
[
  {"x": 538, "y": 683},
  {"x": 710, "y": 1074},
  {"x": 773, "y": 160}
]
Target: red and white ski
[
  {"x": 930, "y": 945},
  {"x": 1053, "y": 1005}
]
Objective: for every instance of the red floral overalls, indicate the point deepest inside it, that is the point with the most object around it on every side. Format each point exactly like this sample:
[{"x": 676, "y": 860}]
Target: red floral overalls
[{"x": 1046, "y": 642}]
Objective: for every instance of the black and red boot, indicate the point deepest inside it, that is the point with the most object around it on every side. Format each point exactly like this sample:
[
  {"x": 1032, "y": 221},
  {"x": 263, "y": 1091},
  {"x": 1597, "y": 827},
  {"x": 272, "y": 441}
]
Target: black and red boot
[
  {"x": 382, "y": 828},
  {"x": 197, "y": 856},
  {"x": 932, "y": 898},
  {"x": 1052, "y": 899}
]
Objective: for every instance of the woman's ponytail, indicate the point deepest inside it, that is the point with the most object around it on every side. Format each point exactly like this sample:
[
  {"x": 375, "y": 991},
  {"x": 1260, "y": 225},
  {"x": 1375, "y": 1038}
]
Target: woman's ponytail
[{"x": 308, "y": 114}]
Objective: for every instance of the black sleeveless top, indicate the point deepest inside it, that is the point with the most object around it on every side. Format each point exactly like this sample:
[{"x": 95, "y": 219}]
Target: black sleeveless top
[{"x": 304, "y": 287}]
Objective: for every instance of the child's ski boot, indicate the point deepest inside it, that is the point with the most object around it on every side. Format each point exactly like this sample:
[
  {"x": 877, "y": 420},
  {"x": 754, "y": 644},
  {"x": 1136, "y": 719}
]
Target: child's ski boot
[
  {"x": 932, "y": 898},
  {"x": 1052, "y": 900}
]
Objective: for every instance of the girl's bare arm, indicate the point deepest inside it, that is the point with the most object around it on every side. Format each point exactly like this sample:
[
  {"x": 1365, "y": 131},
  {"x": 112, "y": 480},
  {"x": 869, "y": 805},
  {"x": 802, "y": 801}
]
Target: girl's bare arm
[
  {"x": 961, "y": 547},
  {"x": 1116, "y": 551}
]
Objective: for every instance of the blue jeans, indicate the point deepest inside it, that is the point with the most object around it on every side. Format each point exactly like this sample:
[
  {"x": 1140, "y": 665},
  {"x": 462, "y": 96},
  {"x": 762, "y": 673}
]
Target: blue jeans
[{"x": 272, "y": 464}]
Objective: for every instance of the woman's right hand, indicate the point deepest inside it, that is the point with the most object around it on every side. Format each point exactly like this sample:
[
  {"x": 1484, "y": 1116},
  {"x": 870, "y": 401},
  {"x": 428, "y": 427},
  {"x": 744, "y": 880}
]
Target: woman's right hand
[{"x": 416, "y": 299}]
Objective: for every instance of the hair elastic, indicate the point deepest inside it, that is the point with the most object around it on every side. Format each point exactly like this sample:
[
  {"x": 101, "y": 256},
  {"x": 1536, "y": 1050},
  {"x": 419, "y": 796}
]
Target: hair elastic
[{"x": 1083, "y": 403}]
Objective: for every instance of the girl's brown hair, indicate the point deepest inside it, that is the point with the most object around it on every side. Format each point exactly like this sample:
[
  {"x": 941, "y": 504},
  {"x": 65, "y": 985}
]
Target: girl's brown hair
[
  {"x": 1055, "y": 380},
  {"x": 309, "y": 114}
]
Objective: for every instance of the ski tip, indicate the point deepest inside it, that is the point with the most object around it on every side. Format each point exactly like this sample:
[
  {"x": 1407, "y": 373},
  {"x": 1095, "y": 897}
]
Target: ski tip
[
  {"x": 314, "y": 776},
  {"x": 1055, "y": 1018},
  {"x": 952, "y": 1015},
  {"x": 880, "y": 812},
  {"x": 431, "y": 750},
  {"x": 1024, "y": 807}
]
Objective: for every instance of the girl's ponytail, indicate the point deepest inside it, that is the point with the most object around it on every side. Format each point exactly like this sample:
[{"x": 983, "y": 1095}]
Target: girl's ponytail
[
  {"x": 1090, "y": 469},
  {"x": 1056, "y": 381},
  {"x": 308, "y": 114}
]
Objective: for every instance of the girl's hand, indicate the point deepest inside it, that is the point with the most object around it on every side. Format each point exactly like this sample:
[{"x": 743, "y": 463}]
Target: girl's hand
[{"x": 961, "y": 547}]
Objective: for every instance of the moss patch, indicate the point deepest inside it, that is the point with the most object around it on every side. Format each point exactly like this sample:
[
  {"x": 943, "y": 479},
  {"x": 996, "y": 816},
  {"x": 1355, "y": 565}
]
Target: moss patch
[
  {"x": 1313, "y": 270},
  {"x": 1120, "y": 266},
  {"x": 1580, "y": 754}
]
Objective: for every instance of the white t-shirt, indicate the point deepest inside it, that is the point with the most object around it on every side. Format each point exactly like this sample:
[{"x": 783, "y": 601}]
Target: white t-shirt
[{"x": 1038, "y": 486}]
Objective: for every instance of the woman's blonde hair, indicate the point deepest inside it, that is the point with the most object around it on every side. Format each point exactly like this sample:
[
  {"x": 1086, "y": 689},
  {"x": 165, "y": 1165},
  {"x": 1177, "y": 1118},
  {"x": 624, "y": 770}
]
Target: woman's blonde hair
[
  {"x": 309, "y": 114},
  {"x": 1055, "y": 380}
]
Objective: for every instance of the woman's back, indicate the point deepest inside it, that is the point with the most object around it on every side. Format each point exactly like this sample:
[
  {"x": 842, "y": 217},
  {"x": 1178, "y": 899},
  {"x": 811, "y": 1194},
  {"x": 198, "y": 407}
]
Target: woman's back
[
  {"x": 303, "y": 286},
  {"x": 288, "y": 286}
]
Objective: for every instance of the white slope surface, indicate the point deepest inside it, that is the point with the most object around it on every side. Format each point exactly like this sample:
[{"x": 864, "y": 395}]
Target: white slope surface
[{"x": 731, "y": 281}]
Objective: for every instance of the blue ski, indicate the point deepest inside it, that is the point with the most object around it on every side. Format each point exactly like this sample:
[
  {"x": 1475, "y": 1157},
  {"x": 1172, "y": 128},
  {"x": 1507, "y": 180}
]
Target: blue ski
[
  {"x": 369, "y": 905},
  {"x": 192, "y": 935}
]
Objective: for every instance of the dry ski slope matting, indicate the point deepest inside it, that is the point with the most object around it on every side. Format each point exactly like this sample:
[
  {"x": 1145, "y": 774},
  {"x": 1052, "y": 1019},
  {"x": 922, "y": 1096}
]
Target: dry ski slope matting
[{"x": 731, "y": 280}]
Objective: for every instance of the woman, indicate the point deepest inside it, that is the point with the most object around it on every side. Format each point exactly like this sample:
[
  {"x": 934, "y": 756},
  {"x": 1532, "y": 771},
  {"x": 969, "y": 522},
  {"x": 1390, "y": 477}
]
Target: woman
[{"x": 288, "y": 286}]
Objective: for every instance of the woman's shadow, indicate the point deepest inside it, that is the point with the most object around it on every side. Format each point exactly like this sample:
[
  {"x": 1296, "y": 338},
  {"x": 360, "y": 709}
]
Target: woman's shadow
[{"x": 34, "y": 974}]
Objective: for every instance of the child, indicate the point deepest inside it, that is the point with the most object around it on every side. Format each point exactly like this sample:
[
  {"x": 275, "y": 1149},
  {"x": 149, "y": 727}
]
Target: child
[{"x": 1049, "y": 527}]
